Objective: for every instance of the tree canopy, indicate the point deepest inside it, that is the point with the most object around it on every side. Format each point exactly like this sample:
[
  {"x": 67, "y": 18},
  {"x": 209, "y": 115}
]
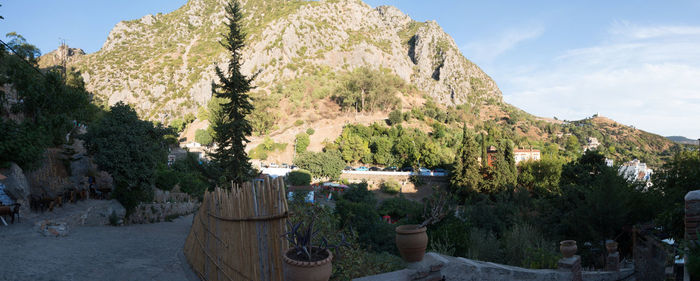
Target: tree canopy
[{"x": 230, "y": 124}]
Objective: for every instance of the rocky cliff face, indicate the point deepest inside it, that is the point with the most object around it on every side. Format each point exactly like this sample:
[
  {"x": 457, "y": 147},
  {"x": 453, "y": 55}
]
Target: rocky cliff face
[{"x": 163, "y": 64}]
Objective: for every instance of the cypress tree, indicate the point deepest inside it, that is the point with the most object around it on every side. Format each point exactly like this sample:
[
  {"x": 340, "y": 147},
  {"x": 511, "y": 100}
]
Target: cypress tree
[
  {"x": 230, "y": 125},
  {"x": 466, "y": 177}
]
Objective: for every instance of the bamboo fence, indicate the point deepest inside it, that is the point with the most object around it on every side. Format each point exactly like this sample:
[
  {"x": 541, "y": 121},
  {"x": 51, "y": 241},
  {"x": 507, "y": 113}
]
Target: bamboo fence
[{"x": 237, "y": 233}]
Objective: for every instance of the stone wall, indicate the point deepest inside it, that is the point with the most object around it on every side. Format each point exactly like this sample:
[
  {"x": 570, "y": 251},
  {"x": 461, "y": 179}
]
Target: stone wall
[
  {"x": 165, "y": 206},
  {"x": 454, "y": 268}
]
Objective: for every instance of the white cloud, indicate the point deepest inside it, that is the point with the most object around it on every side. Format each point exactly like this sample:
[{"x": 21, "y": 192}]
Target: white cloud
[
  {"x": 648, "y": 77},
  {"x": 489, "y": 49}
]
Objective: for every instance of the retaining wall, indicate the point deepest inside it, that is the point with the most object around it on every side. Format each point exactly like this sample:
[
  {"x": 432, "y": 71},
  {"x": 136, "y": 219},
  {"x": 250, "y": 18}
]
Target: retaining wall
[{"x": 465, "y": 269}]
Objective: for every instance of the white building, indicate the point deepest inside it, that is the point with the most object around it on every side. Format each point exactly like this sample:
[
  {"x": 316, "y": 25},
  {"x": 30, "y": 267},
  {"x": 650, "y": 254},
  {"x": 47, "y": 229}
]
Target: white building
[
  {"x": 526, "y": 154},
  {"x": 592, "y": 144},
  {"x": 636, "y": 171}
]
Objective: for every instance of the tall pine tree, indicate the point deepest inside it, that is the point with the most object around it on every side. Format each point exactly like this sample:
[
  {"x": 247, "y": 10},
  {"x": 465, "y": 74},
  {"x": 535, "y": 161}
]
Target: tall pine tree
[
  {"x": 465, "y": 177},
  {"x": 230, "y": 124}
]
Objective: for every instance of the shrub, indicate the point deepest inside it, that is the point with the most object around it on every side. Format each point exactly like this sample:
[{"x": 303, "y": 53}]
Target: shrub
[
  {"x": 299, "y": 177},
  {"x": 299, "y": 122},
  {"x": 402, "y": 209},
  {"x": 310, "y": 131},
  {"x": 395, "y": 117},
  {"x": 202, "y": 136},
  {"x": 166, "y": 178},
  {"x": 390, "y": 187},
  {"x": 302, "y": 142}
]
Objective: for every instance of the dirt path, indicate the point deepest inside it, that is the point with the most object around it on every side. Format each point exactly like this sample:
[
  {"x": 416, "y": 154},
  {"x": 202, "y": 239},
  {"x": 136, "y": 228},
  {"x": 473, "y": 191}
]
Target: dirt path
[{"x": 135, "y": 252}]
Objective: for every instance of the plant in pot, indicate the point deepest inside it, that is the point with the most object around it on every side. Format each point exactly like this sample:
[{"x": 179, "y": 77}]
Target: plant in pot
[
  {"x": 308, "y": 259},
  {"x": 411, "y": 239}
]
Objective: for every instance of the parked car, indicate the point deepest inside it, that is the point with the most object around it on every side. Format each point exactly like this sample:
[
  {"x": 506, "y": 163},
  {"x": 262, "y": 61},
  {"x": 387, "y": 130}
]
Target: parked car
[
  {"x": 391, "y": 169},
  {"x": 440, "y": 170},
  {"x": 284, "y": 165},
  {"x": 424, "y": 170},
  {"x": 348, "y": 168},
  {"x": 374, "y": 169},
  {"x": 407, "y": 169},
  {"x": 362, "y": 169},
  {"x": 274, "y": 165}
]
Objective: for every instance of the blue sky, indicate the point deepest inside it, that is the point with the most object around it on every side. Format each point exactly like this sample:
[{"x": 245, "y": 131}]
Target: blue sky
[{"x": 637, "y": 62}]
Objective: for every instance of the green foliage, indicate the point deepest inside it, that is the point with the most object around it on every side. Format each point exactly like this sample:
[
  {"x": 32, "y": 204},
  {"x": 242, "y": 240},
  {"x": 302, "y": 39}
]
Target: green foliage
[
  {"x": 299, "y": 177},
  {"x": 263, "y": 117},
  {"x": 23, "y": 143},
  {"x": 390, "y": 187},
  {"x": 541, "y": 177},
  {"x": 178, "y": 124},
  {"x": 327, "y": 164},
  {"x": 130, "y": 150},
  {"x": 395, "y": 117},
  {"x": 203, "y": 137},
  {"x": 403, "y": 210},
  {"x": 268, "y": 145},
  {"x": 230, "y": 124},
  {"x": 357, "y": 209},
  {"x": 302, "y": 142},
  {"x": 310, "y": 131},
  {"x": 672, "y": 182},
  {"x": 166, "y": 178},
  {"x": 353, "y": 147},
  {"x": 365, "y": 89},
  {"x": 465, "y": 177},
  {"x": 298, "y": 122}
]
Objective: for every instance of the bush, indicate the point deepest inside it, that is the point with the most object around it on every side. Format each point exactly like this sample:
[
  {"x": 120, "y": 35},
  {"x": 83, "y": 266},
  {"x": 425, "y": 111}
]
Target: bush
[
  {"x": 302, "y": 142},
  {"x": 299, "y": 122},
  {"x": 402, "y": 209},
  {"x": 390, "y": 187},
  {"x": 395, "y": 117},
  {"x": 203, "y": 137},
  {"x": 166, "y": 178},
  {"x": 310, "y": 131},
  {"x": 299, "y": 177}
]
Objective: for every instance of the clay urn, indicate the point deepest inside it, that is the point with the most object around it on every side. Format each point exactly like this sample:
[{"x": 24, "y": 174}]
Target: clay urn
[
  {"x": 611, "y": 246},
  {"x": 412, "y": 242},
  {"x": 568, "y": 248},
  {"x": 295, "y": 270}
]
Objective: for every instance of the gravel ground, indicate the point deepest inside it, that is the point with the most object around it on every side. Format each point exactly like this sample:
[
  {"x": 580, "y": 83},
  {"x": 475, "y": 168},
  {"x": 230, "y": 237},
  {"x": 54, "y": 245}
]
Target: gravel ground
[{"x": 134, "y": 252}]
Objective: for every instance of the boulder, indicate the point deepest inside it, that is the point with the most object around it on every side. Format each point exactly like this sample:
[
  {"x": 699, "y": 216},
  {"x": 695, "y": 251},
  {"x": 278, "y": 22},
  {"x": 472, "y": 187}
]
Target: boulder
[
  {"x": 100, "y": 214},
  {"x": 16, "y": 184}
]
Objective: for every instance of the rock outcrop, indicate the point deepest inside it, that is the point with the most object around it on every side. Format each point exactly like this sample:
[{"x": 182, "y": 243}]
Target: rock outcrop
[
  {"x": 163, "y": 64},
  {"x": 16, "y": 183}
]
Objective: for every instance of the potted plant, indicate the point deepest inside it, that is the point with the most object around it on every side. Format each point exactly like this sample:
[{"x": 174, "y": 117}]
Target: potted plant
[
  {"x": 411, "y": 239},
  {"x": 306, "y": 260},
  {"x": 568, "y": 248}
]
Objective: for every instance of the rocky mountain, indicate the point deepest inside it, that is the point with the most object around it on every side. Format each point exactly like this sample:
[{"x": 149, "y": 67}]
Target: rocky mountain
[
  {"x": 682, "y": 140},
  {"x": 163, "y": 64}
]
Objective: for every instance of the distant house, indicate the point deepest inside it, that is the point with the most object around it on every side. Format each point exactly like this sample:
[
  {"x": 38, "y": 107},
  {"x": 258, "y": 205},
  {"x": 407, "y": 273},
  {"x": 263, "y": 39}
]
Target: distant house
[
  {"x": 592, "y": 144},
  {"x": 526, "y": 154},
  {"x": 609, "y": 162},
  {"x": 491, "y": 155},
  {"x": 636, "y": 171}
]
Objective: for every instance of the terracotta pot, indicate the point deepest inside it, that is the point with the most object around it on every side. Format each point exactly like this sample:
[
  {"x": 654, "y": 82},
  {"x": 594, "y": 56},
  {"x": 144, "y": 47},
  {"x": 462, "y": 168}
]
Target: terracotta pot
[
  {"x": 412, "y": 242},
  {"x": 611, "y": 246},
  {"x": 295, "y": 270},
  {"x": 568, "y": 248}
]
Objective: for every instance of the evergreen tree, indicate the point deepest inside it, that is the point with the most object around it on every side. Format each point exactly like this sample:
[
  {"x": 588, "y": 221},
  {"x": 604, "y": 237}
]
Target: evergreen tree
[
  {"x": 484, "y": 153},
  {"x": 466, "y": 177},
  {"x": 230, "y": 125}
]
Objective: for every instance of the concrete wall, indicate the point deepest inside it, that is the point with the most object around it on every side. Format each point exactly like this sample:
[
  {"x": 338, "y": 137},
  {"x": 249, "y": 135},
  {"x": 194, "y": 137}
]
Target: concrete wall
[{"x": 470, "y": 270}]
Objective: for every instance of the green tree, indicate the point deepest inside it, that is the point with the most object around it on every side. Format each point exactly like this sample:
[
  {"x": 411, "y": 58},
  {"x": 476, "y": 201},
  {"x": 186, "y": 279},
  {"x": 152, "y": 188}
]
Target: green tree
[
  {"x": 230, "y": 124},
  {"x": 572, "y": 144},
  {"x": 327, "y": 164},
  {"x": 299, "y": 177},
  {"x": 465, "y": 176},
  {"x": 130, "y": 150},
  {"x": 677, "y": 177},
  {"x": 203, "y": 137},
  {"x": 381, "y": 148},
  {"x": 541, "y": 177},
  {"x": 395, "y": 117},
  {"x": 302, "y": 142},
  {"x": 352, "y": 147},
  {"x": 189, "y": 118}
]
